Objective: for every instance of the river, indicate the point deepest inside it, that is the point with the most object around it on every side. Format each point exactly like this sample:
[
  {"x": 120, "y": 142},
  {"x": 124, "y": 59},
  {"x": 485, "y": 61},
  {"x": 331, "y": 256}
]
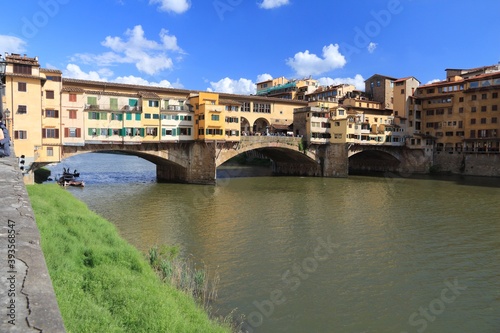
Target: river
[{"x": 362, "y": 254}]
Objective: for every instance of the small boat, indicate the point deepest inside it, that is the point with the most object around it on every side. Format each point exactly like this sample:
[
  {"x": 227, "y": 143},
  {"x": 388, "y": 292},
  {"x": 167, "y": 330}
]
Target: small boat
[{"x": 69, "y": 179}]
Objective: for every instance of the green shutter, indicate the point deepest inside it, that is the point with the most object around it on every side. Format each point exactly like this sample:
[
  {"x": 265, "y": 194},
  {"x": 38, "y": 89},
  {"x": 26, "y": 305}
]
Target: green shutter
[
  {"x": 189, "y": 131},
  {"x": 129, "y": 116},
  {"x": 92, "y": 100},
  {"x": 137, "y": 116},
  {"x": 122, "y": 132},
  {"x": 142, "y": 132},
  {"x": 120, "y": 117},
  {"x": 110, "y": 131},
  {"x": 113, "y": 103},
  {"x": 132, "y": 102},
  {"x": 90, "y": 131},
  {"x": 174, "y": 131},
  {"x": 103, "y": 116}
]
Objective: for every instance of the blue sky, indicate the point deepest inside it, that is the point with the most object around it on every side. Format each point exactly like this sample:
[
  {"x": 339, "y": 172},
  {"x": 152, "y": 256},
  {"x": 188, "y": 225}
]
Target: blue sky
[{"x": 229, "y": 45}]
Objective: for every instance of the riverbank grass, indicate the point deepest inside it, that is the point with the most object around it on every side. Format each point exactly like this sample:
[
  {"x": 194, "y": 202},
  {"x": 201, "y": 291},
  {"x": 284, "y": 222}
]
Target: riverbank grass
[{"x": 102, "y": 283}]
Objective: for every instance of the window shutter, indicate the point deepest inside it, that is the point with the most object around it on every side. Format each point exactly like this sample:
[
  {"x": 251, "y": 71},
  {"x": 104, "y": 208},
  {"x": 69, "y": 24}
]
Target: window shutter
[
  {"x": 90, "y": 131},
  {"x": 44, "y": 133},
  {"x": 120, "y": 117},
  {"x": 163, "y": 132},
  {"x": 56, "y": 113},
  {"x": 78, "y": 132},
  {"x": 66, "y": 132},
  {"x": 137, "y": 116},
  {"x": 129, "y": 116},
  {"x": 122, "y": 131},
  {"x": 142, "y": 132},
  {"x": 57, "y": 133}
]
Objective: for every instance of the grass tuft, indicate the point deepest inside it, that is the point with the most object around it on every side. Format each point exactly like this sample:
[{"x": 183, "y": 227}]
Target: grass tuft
[{"x": 102, "y": 283}]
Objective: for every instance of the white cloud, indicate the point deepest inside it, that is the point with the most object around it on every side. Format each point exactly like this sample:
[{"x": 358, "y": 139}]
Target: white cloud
[
  {"x": 372, "y": 46},
  {"x": 270, "y": 4},
  {"x": 74, "y": 71},
  {"x": 434, "y": 81},
  {"x": 305, "y": 63},
  {"x": 230, "y": 86},
  {"x": 143, "y": 82},
  {"x": 149, "y": 56},
  {"x": 175, "y": 6},
  {"x": 264, "y": 77},
  {"x": 12, "y": 44},
  {"x": 358, "y": 81}
]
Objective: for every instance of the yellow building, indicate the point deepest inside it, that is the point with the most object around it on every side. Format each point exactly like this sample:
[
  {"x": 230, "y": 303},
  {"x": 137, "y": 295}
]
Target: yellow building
[
  {"x": 23, "y": 98},
  {"x": 461, "y": 113}
]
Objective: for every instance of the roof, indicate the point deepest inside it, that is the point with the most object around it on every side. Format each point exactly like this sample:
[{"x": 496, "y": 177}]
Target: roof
[
  {"x": 281, "y": 127},
  {"x": 228, "y": 102},
  {"x": 27, "y": 76},
  {"x": 380, "y": 75},
  {"x": 149, "y": 94},
  {"x": 50, "y": 70},
  {"x": 73, "y": 89},
  {"x": 24, "y": 60},
  {"x": 407, "y": 78}
]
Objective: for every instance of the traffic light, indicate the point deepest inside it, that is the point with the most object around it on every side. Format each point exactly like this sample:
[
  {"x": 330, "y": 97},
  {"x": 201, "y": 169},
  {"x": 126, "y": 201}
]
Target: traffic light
[{"x": 21, "y": 161}]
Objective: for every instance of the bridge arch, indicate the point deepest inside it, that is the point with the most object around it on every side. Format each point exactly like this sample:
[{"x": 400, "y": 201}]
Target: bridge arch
[
  {"x": 286, "y": 149},
  {"x": 373, "y": 159},
  {"x": 260, "y": 125}
]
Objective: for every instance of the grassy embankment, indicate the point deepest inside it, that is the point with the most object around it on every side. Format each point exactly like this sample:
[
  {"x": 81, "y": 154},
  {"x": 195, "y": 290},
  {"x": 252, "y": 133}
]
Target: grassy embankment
[{"x": 102, "y": 283}]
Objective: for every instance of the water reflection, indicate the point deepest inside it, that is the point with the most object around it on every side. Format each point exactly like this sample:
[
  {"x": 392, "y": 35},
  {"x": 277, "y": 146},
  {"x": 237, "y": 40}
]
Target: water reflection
[{"x": 399, "y": 240}]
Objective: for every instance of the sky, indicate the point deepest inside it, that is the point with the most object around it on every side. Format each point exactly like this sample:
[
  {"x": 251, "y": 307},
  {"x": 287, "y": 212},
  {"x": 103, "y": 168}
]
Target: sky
[{"x": 230, "y": 45}]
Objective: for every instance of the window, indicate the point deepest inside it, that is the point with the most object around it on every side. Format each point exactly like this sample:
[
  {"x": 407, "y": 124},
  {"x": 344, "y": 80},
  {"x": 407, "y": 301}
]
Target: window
[
  {"x": 449, "y": 133},
  {"x": 153, "y": 131},
  {"x": 483, "y": 120},
  {"x": 494, "y": 108},
  {"x": 137, "y": 116},
  {"x": 215, "y": 117},
  {"x": 484, "y": 96},
  {"x": 117, "y": 116},
  {"x": 473, "y": 97},
  {"x": 147, "y": 116},
  {"x": 128, "y": 116},
  {"x": 494, "y": 95},
  {"x": 245, "y": 107},
  {"x": 22, "y": 69},
  {"x": 494, "y": 120},
  {"x": 472, "y": 121},
  {"x": 50, "y": 133},
  {"x": 49, "y": 94},
  {"x": 20, "y": 135},
  {"x": 72, "y": 114},
  {"x": 72, "y": 97},
  {"x": 337, "y": 123},
  {"x": 473, "y": 133},
  {"x": 184, "y": 131},
  {"x": 50, "y": 151},
  {"x": 460, "y": 110},
  {"x": 23, "y": 109},
  {"x": 95, "y": 115},
  {"x": 450, "y": 111},
  {"x": 72, "y": 132},
  {"x": 460, "y": 99},
  {"x": 483, "y": 108},
  {"x": 52, "y": 113},
  {"x": 214, "y": 131},
  {"x": 92, "y": 101},
  {"x": 402, "y": 91},
  {"x": 474, "y": 84},
  {"x": 21, "y": 86},
  {"x": 153, "y": 104},
  {"x": 473, "y": 109},
  {"x": 113, "y": 103}
]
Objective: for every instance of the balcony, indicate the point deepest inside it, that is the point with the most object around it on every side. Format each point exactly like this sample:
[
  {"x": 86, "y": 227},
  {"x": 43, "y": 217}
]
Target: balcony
[{"x": 113, "y": 107}]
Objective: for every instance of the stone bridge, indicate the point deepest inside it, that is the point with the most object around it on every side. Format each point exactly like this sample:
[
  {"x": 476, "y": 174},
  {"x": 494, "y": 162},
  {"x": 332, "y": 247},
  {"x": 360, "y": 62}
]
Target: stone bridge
[
  {"x": 196, "y": 162},
  {"x": 399, "y": 159}
]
